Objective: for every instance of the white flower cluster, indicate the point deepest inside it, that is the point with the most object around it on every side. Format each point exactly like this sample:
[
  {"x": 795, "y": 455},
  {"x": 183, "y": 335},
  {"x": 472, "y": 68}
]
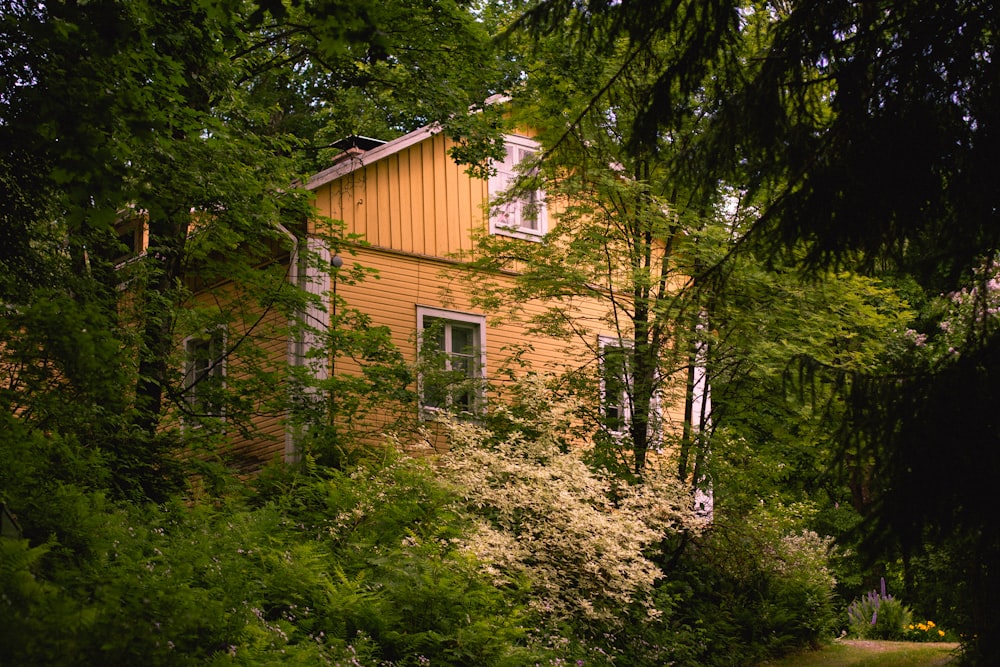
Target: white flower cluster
[{"x": 546, "y": 517}]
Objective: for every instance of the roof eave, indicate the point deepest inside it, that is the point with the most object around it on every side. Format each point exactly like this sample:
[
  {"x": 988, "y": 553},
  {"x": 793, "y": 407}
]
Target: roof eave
[{"x": 374, "y": 155}]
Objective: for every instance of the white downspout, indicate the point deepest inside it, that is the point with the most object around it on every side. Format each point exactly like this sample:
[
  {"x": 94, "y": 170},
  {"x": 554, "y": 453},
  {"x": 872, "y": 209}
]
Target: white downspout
[{"x": 294, "y": 350}]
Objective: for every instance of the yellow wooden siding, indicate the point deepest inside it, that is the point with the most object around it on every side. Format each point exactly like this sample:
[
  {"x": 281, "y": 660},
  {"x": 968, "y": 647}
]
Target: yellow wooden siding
[
  {"x": 267, "y": 333},
  {"x": 415, "y": 201},
  {"x": 269, "y": 444},
  {"x": 405, "y": 282}
]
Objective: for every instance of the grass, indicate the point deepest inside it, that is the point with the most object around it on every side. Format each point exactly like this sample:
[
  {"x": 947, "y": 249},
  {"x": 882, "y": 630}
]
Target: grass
[{"x": 856, "y": 653}]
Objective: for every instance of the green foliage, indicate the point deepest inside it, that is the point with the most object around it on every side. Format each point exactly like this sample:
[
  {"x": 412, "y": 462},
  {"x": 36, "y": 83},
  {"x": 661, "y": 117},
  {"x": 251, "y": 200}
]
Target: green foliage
[
  {"x": 878, "y": 615},
  {"x": 319, "y": 568},
  {"x": 391, "y": 562},
  {"x": 801, "y": 116},
  {"x": 621, "y": 234},
  {"x": 856, "y": 133},
  {"x": 750, "y": 589},
  {"x": 199, "y": 115},
  {"x": 176, "y": 116},
  {"x": 584, "y": 542}
]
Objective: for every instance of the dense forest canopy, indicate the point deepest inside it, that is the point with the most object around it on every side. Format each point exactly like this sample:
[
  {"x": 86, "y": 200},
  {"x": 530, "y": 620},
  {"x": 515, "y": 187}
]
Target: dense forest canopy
[{"x": 863, "y": 133}]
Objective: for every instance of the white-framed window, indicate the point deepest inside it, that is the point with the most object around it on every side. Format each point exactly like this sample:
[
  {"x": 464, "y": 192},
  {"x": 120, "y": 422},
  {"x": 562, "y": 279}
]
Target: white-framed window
[
  {"x": 525, "y": 215},
  {"x": 616, "y": 383},
  {"x": 205, "y": 373},
  {"x": 452, "y": 348}
]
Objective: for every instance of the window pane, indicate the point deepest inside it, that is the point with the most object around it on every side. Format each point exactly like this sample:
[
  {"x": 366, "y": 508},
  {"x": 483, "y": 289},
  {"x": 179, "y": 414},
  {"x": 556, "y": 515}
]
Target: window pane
[
  {"x": 451, "y": 357},
  {"x": 525, "y": 211},
  {"x": 614, "y": 370},
  {"x": 204, "y": 374},
  {"x": 127, "y": 239},
  {"x": 435, "y": 391},
  {"x": 463, "y": 400},
  {"x": 463, "y": 366},
  {"x": 529, "y": 211},
  {"x": 462, "y": 339}
]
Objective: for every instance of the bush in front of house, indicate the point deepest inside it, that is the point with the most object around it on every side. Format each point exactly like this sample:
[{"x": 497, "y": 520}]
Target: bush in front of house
[
  {"x": 510, "y": 553},
  {"x": 319, "y": 566},
  {"x": 621, "y": 573}
]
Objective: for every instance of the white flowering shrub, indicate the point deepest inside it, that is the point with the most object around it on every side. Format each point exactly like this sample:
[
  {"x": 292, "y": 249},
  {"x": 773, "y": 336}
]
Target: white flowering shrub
[
  {"x": 576, "y": 536},
  {"x": 957, "y": 322}
]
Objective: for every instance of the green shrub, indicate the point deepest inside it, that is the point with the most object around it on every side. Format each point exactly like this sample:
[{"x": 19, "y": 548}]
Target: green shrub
[
  {"x": 752, "y": 587},
  {"x": 512, "y": 552},
  {"x": 627, "y": 574},
  {"x": 361, "y": 568},
  {"x": 878, "y": 615}
]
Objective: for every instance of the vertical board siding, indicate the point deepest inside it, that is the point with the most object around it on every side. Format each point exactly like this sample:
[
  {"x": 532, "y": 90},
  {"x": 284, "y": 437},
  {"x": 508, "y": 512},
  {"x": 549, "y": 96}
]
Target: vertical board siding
[
  {"x": 405, "y": 203},
  {"x": 415, "y": 201},
  {"x": 439, "y": 193},
  {"x": 426, "y": 223},
  {"x": 380, "y": 200}
]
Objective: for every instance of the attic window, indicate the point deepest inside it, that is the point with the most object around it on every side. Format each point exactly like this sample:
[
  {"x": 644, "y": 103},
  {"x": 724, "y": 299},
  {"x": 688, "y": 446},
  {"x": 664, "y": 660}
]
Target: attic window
[{"x": 524, "y": 214}]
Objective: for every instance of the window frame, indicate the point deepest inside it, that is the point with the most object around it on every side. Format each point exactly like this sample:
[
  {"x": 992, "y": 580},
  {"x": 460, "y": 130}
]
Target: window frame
[
  {"x": 132, "y": 234},
  {"x": 624, "y": 404},
  {"x": 655, "y": 416},
  {"x": 425, "y": 314},
  {"x": 506, "y": 175},
  {"x": 217, "y": 366}
]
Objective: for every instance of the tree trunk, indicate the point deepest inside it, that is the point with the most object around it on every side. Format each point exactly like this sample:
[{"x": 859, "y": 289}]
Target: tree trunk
[{"x": 167, "y": 239}]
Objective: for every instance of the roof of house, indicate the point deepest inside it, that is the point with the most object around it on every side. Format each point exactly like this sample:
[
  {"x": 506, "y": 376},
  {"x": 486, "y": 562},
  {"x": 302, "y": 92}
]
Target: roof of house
[{"x": 361, "y": 151}]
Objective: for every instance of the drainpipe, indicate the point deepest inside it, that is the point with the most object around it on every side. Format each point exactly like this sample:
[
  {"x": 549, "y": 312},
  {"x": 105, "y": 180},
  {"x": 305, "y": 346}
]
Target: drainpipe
[{"x": 295, "y": 352}]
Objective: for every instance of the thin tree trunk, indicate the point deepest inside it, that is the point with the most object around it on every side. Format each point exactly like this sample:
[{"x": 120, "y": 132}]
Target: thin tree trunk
[{"x": 166, "y": 251}]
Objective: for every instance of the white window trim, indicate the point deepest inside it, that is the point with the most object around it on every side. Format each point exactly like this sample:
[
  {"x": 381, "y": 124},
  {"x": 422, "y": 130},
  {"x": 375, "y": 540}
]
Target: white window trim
[
  {"x": 426, "y": 312},
  {"x": 501, "y": 182},
  {"x": 604, "y": 342},
  {"x": 655, "y": 417},
  {"x": 221, "y": 368}
]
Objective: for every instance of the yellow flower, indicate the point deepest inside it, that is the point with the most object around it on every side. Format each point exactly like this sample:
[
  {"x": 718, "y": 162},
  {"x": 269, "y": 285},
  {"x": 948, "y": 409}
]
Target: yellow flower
[
  {"x": 941, "y": 632},
  {"x": 930, "y": 624}
]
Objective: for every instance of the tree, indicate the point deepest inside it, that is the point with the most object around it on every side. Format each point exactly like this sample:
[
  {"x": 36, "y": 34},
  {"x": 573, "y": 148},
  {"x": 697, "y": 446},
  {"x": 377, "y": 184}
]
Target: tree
[
  {"x": 868, "y": 129},
  {"x": 620, "y": 235},
  {"x": 174, "y": 116}
]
